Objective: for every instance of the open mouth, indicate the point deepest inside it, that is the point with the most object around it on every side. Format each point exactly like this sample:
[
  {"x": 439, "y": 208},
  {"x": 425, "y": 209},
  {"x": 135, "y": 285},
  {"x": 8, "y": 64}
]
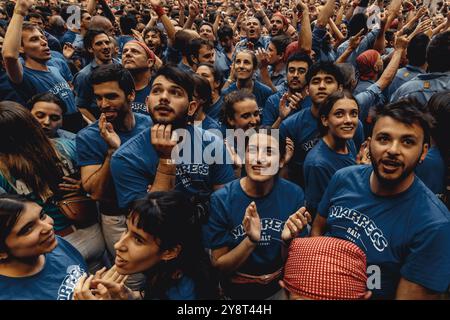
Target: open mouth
[
  {"x": 49, "y": 239},
  {"x": 347, "y": 129},
  {"x": 390, "y": 166},
  {"x": 119, "y": 261}
]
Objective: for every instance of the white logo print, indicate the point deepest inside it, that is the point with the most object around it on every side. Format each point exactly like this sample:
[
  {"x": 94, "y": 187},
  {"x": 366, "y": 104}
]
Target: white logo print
[{"x": 74, "y": 273}]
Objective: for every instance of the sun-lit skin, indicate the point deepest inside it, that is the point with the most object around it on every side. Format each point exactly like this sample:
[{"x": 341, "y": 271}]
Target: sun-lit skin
[
  {"x": 246, "y": 115},
  {"x": 35, "y": 46},
  {"x": 342, "y": 120}
]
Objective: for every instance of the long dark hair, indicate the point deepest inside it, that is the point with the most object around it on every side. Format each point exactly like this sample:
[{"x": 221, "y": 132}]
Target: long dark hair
[
  {"x": 172, "y": 219},
  {"x": 11, "y": 206},
  {"x": 25, "y": 151}
]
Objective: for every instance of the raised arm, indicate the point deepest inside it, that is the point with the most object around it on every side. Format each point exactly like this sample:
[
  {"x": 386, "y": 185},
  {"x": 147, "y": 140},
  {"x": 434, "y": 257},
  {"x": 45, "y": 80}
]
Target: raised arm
[
  {"x": 305, "y": 35},
  {"x": 325, "y": 14},
  {"x": 13, "y": 39},
  {"x": 170, "y": 29},
  {"x": 91, "y": 7}
]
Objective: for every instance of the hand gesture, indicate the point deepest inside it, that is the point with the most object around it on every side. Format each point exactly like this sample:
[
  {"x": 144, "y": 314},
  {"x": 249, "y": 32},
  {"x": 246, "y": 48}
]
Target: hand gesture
[
  {"x": 83, "y": 288},
  {"x": 295, "y": 224},
  {"x": 363, "y": 156},
  {"x": 356, "y": 40},
  {"x": 181, "y": 4},
  {"x": 70, "y": 185},
  {"x": 252, "y": 223},
  {"x": 237, "y": 161},
  {"x": 156, "y": 3},
  {"x": 257, "y": 6},
  {"x": 194, "y": 9},
  {"x": 137, "y": 35},
  {"x": 263, "y": 57},
  {"x": 107, "y": 133},
  {"x": 289, "y": 151},
  {"x": 110, "y": 285},
  {"x": 24, "y": 5},
  {"x": 401, "y": 43},
  {"x": 68, "y": 50},
  {"x": 163, "y": 140}
]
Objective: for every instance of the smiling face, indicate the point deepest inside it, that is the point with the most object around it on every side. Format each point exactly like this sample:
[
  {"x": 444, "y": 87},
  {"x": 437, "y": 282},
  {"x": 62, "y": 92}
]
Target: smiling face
[
  {"x": 395, "y": 150},
  {"x": 101, "y": 48},
  {"x": 112, "y": 101},
  {"x": 32, "y": 235},
  {"x": 321, "y": 86},
  {"x": 35, "y": 45},
  {"x": 50, "y": 117},
  {"x": 246, "y": 115},
  {"x": 206, "y": 32},
  {"x": 262, "y": 158},
  {"x": 243, "y": 64},
  {"x": 342, "y": 120},
  {"x": 206, "y": 73},
  {"x": 206, "y": 54}
]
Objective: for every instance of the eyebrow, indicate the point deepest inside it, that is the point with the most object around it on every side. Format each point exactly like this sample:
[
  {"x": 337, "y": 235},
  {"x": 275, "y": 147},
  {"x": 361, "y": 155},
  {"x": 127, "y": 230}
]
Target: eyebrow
[{"x": 29, "y": 224}]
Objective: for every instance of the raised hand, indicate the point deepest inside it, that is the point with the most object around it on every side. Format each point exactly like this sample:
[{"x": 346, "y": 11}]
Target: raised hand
[
  {"x": 263, "y": 57},
  {"x": 252, "y": 223},
  {"x": 289, "y": 151},
  {"x": 401, "y": 43},
  {"x": 163, "y": 140},
  {"x": 295, "y": 224},
  {"x": 194, "y": 9},
  {"x": 107, "y": 133},
  {"x": 24, "y": 5},
  {"x": 356, "y": 40},
  {"x": 68, "y": 50}
]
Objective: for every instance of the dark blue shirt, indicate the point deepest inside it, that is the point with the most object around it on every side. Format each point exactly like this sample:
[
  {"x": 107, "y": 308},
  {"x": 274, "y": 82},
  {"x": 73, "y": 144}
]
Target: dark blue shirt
[
  {"x": 225, "y": 229},
  {"x": 7, "y": 91},
  {"x": 432, "y": 171},
  {"x": 63, "y": 267},
  {"x": 260, "y": 90},
  {"x": 134, "y": 164},
  {"x": 215, "y": 109},
  {"x": 36, "y": 81},
  {"x": 320, "y": 165},
  {"x": 406, "y": 235},
  {"x": 138, "y": 105}
]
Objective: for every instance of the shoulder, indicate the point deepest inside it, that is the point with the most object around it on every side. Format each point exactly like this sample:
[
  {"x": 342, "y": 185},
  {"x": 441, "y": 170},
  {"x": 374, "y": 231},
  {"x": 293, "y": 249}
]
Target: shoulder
[
  {"x": 138, "y": 145},
  {"x": 90, "y": 132},
  {"x": 427, "y": 203}
]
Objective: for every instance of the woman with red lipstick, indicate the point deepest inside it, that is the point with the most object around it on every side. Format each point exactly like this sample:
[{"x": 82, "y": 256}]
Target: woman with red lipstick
[{"x": 35, "y": 264}]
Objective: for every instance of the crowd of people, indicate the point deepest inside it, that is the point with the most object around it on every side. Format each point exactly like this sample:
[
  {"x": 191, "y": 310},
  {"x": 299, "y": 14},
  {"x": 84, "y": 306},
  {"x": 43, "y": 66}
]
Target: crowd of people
[{"x": 259, "y": 149}]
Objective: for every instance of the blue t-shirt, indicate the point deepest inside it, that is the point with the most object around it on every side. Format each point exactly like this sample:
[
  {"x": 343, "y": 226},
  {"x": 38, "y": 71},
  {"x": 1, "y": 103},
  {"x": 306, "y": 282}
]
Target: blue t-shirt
[
  {"x": 406, "y": 235},
  {"x": 138, "y": 105},
  {"x": 134, "y": 164},
  {"x": 260, "y": 90},
  {"x": 271, "y": 109},
  {"x": 184, "y": 289},
  {"x": 7, "y": 92},
  {"x": 64, "y": 266},
  {"x": 320, "y": 165},
  {"x": 303, "y": 129},
  {"x": 209, "y": 123},
  {"x": 92, "y": 149},
  {"x": 36, "y": 81},
  {"x": 215, "y": 109},
  {"x": 225, "y": 229},
  {"x": 432, "y": 171}
]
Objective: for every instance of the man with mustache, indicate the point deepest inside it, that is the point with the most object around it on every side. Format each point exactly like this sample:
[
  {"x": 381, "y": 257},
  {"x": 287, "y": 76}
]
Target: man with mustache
[
  {"x": 98, "y": 44},
  {"x": 147, "y": 163},
  {"x": 402, "y": 227},
  {"x": 114, "y": 90}
]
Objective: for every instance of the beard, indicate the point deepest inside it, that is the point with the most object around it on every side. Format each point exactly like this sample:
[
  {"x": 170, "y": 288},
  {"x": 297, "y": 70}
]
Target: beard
[
  {"x": 180, "y": 120},
  {"x": 390, "y": 183}
]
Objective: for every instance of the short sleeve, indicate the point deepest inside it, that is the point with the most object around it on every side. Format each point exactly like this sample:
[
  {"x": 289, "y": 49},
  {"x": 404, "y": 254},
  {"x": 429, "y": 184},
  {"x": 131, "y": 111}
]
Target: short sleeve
[
  {"x": 428, "y": 263},
  {"x": 216, "y": 233},
  {"x": 90, "y": 151}
]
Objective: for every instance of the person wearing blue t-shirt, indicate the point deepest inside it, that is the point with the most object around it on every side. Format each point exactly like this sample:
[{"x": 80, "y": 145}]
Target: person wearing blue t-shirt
[
  {"x": 297, "y": 67},
  {"x": 247, "y": 219},
  {"x": 139, "y": 60},
  {"x": 149, "y": 161},
  {"x": 335, "y": 150},
  {"x": 35, "y": 76},
  {"x": 35, "y": 264},
  {"x": 302, "y": 128},
  {"x": 388, "y": 212},
  {"x": 48, "y": 110},
  {"x": 114, "y": 88},
  {"x": 244, "y": 68},
  {"x": 210, "y": 73},
  {"x": 163, "y": 241},
  {"x": 98, "y": 44}
]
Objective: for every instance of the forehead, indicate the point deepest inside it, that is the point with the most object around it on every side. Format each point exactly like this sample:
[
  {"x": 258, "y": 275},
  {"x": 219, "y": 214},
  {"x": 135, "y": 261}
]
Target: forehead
[
  {"x": 395, "y": 128},
  {"x": 134, "y": 46},
  {"x": 345, "y": 103},
  {"x": 247, "y": 105},
  {"x": 45, "y": 106},
  {"x": 323, "y": 75},
  {"x": 165, "y": 82},
  {"x": 204, "y": 69},
  {"x": 31, "y": 33},
  {"x": 277, "y": 18},
  {"x": 263, "y": 140},
  {"x": 101, "y": 37},
  {"x": 298, "y": 64},
  {"x": 244, "y": 56},
  {"x": 107, "y": 87},
  {"x": 26, "y": 215},
  {"x": 205, "y": 27},
  {"x": 253, "y": 21}
]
